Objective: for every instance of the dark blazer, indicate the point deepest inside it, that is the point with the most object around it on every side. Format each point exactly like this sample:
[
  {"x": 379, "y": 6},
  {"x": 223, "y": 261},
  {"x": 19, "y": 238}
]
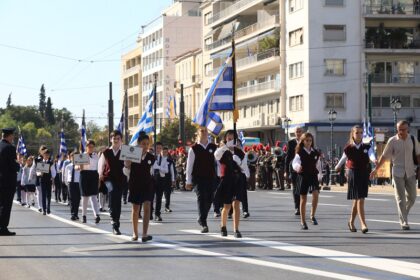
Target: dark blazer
[
  {"x": 291, "y": 151},
  {"x": 8, "y": 165}
]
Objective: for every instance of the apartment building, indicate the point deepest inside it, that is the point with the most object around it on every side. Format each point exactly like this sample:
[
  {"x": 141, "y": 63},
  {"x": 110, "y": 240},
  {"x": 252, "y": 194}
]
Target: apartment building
[
  {"x": 189, "y": 73},
  {"x": 131, "y": 79},
  {"x": 176, "y": 31},
  {"x": 257, "y": 32}
]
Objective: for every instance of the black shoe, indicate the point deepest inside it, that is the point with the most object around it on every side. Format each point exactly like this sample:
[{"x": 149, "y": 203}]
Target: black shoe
[
  {"x": 304, "y": 226},
  {"x": 97, "y": 219},
  {"x": 405, "y": 227},
  {"x": 84, "y": 219},
  {"x": 6, "y": 232},
  {"x": 205, "y": 229},
  {"x": 23, "y": 204},
  {"x": 73, "y": 218},
  {"x": 351, "y": 228},
  {"x": 297, "y": 212},
  {"x": 39, "y": 210},
  {"x": 223, "y": 231},
  {"x": 168, "y": 210},
  {"x": 116, "y": 231},
  {"x": 158, "y": 219},
  {"x": 101, "y": 209},
  {"x": 44, "y": 213},
  {"x": 314, "y": 221},
  {"x": 140, "y": 217},
  {"x": 245, "y": 215},
  {"x": 230, "y": 216},
  {"x": 147, "y": 238},
  {"x": 125, "y": 201},
  {"x": 48, "y": 211},
  {"x": 134, "y": 238},
  {"x": 365, "y": 230},
  {"x": 216, "y": 215},
  {"x": 77, "y": 217},
  {"x": 238, "y": 234}
]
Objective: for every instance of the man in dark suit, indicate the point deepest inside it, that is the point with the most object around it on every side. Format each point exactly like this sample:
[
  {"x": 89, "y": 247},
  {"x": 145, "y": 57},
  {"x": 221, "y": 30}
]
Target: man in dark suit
[
  {"x": 8, "y": 175},
  {"x": 290, "y": 173}
]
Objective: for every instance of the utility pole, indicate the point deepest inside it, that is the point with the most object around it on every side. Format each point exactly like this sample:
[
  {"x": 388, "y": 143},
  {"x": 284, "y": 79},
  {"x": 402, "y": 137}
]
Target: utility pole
[
  {"x": 182, "y": 117},
  {"x": 283, "y": 66},
  {"x": 125, "y": 102},
  {"x": 110, "y": 113}
]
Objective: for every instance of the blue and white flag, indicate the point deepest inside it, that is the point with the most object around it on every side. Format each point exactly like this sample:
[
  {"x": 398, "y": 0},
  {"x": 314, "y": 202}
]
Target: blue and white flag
[
  {"x": 218, "y": 98},
  {"x": 241, "y": 138},
  {"x": 146, "y": 121},
  {"x": 367, "y": 132},
  {"x": 63, "y": 145},
  {"x": 83, "y": 138},
  {"x": 21, "y": 147},
  {"x": 120, "y": 126}
]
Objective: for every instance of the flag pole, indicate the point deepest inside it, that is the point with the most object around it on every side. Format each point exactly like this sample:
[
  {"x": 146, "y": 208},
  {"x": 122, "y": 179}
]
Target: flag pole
[
  {"x": 125, "y": 122},
  {"x": 235, "y": 110},
  {"x": 154, "y": 111}
]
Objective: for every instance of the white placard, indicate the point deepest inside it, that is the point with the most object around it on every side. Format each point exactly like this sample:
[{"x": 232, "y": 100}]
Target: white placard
[
  {"x": 81, "y": 159},
  {"x": 43, "y": 167},
  {"x": 131, "y": 153}
]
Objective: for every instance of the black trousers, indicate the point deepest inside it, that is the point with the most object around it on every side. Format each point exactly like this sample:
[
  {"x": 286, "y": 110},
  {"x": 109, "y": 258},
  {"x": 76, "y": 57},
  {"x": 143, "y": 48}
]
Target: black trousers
[
  {"x": 163, "y": 187},
  {"x": 58, "y": 186},
  {"x": 18, "y": 191},
  {"x": 65, "y": 192},
  {"x": 75, "y": 201},
  {"x": 46, "y": 195},
  {"x": 6, "y": 202},
  {"x": 296, "y": 197},
  {"x": 204, "y": 189},
  {"x": 115, "y": 204}
]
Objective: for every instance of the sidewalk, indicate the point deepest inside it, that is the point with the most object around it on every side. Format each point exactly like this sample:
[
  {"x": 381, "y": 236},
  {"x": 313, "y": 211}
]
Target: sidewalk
[{"x": 372, "y": 189}]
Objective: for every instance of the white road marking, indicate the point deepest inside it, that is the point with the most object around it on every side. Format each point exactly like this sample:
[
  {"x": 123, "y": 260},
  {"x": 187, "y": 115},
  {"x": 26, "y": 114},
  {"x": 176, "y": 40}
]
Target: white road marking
[
  {"x": 335, "y": 205},
  {"x": 188, "y": 248},
  {"x": 289, "y": 194},
  {"x": 378, "y": 199},
  {"x": 394, "y": 266},
  {"x": 390, "y": 222}
]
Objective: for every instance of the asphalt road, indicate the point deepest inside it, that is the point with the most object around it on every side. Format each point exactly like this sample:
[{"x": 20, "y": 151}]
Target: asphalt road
[{"x": 273, "y": 247}]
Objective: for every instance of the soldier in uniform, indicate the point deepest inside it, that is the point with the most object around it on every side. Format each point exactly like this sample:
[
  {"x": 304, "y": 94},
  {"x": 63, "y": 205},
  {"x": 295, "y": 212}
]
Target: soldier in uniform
[
  {"x": 268, "y": 166},
  {"x": 278, "y": 165},
  {"x": 180, "y": 165},
  {"x": 252, "y": 166},
  {"x": 261, "y": 174},
  {"x": 8, "y": 178}
]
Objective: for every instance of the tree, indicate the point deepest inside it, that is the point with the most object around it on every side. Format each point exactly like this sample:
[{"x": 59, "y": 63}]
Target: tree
[
  {"x": 6, "y": 120},
  {"x": 29, "y": 131},
  {"x": 49, "y": 114},
  {"x": 42, "y": 103},
  {"x": 169, "y": 133},
  {"x": 9, "y": 101}
]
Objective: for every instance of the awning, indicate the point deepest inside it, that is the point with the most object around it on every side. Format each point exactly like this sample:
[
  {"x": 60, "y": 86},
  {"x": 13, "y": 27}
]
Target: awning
[
  {"x": 226, "y": 30},
  {"x": 213, "y": 31}
]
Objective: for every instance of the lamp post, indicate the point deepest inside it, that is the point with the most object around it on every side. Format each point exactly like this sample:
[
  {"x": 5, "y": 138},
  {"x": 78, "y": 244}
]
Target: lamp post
[
  {"x": 395, "y": 106},
  {"x": 287, "y": 121},
  {"x": 332, "y": 116}
]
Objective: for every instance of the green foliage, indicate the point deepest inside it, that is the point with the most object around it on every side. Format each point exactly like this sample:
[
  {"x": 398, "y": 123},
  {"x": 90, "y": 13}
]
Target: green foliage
[
  {"x": 43, "y": 134},
  {"x": 29, "y": 130},
  {"x": 9, "y": 101},
  {"x": 42, "y": 103},
  {"x": 49, "y": 114},
  {"x": 169, "y": 134},
  {"x": 6, "y": 120},
  {"x": 269, "y": 42}
]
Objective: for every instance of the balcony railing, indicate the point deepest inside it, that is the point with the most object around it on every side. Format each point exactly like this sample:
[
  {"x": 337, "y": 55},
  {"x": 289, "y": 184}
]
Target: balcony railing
[
  {"x": 251, "y": 90},
  {"x": 230, "y": 10},
  {"x": 257, "y": 57},
  {"x": 395, "y": 79},
  {"x": 392, "y": 9},
  {"x": 244, "y": 32},
  {"x": 392, "y": 44}
]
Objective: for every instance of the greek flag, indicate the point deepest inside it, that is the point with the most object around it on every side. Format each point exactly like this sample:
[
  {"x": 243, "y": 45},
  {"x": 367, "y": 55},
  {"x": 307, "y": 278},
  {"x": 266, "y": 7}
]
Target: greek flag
[
  {"x": 83, "y": 138},
  {"x": 21, "y": 147},
  {"x": 63, "y": 145},
  {"x": 120, "y": 126},
  {"x": 218, "y": 98},
  {"x": 146, "y": 121},
  {"x": 367, "y": 132},
  {"x": 241, "y": 138}
]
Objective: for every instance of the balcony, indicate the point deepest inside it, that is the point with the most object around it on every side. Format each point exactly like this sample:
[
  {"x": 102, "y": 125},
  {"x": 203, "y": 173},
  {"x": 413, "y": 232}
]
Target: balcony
[
  {"x": 242, "y": 63},
  {"x": 254, "y": 122},
  {"x": 392, "y": 10},
  {"x": 390, "y": 40},
  {"x": 400, "y": 79},
  {"x": 232, "y": 10},
  {"x": 254, "y": 28},
  {"x": 258, "y": 90}
]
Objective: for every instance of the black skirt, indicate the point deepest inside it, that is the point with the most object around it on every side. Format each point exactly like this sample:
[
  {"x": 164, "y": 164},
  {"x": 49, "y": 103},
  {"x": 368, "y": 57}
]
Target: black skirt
[
  {"x": 89, "y": 182},
  {"x": 231, "y": 188},
  {"x": 306, "y": 183},
  {"x": 30, "y": 188},
  {"x": 358, "y": 184}
]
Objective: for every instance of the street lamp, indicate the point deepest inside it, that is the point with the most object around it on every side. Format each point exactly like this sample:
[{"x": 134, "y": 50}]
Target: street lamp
[
  {"x": 287, "y": 121},
  {"x": 332, "y": 116},
  {"x": 395, "y": 106}
]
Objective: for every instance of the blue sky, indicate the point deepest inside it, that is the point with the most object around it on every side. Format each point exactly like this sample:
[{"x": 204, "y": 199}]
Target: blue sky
[{"x": 98, "y": 30}]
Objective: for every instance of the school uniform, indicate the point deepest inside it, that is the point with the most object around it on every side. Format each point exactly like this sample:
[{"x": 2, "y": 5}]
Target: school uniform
[
  {"x": 37, "y": 182},
  {"x": 20, "y": 191},
  {"x": 72, "y": 179},
  {"x": 57, "y": 182},
  {"x": 65, "y": 188},
  {"x": 291, "y": 147},
  {"x": 45, "y": 182},
  {"x": 307, "y": 180},
  {"x": 140, "y": 180},
  {"x": 89, "y": 185},
  {"x": 28, "y": 183},
  {"x": 164, "y": 176}
]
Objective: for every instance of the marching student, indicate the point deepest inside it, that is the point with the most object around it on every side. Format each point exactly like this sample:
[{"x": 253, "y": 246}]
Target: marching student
[
  {"x": 307, "y": 165},
  {"x": 110, "y": 170},
  {"x": 45, "y": 181},
  {"x": 65, "y": 188},
  {"x": 201, "y": 171},
  {"x": 89, "y": 182},
  {"x": 38, "y": 177},
  {"x": 28, "y": 181},
  {"x": 71, "y": 176},
  {"x": 356, "y": 157},
  {"x": 141, "y": 187},
  {"x": 20, "y": 190},
  {"x": 57, "y": 179},
  {"x": 233, "y": 174}
]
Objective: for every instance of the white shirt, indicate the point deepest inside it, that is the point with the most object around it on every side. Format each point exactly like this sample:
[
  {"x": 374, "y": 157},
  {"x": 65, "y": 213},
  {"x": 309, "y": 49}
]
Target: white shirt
[
  {"x": 343, "y": 158},
  {"x": 93, "y": 163},
  {"x": 26, "y": 177},
  {"x": 52, "y": 169},
  {"x": 243, "y": 164},
  {"x": 68, "y": 172},
  {"x": 101, "y": 162},
  {"x": 190, "y": 162},
  {"x": 297, "y": 163}
]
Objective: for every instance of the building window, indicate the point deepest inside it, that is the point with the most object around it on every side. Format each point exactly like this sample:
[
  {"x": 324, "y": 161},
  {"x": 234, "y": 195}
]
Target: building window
[
  {"x": 334, "y": 32},
  {"x": 136, "y": 100},
  {"x": 385, "y": 101},
  {"x": 207, "y": 69},
  {"x": 296, "y": 103},
  {"x": 334, "y": 3},
  {"x": 334, "y": 100},
  {"x": 296, "y": 37},
  {"x": 335, "y": 67},
  {"x": 296, "y": 70},
  {"x": 295, "y": 5},
  {"x": 207, "y": 17},
  {"x": 416, "y": 102},
  {"x": 208, "y": 41}
]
